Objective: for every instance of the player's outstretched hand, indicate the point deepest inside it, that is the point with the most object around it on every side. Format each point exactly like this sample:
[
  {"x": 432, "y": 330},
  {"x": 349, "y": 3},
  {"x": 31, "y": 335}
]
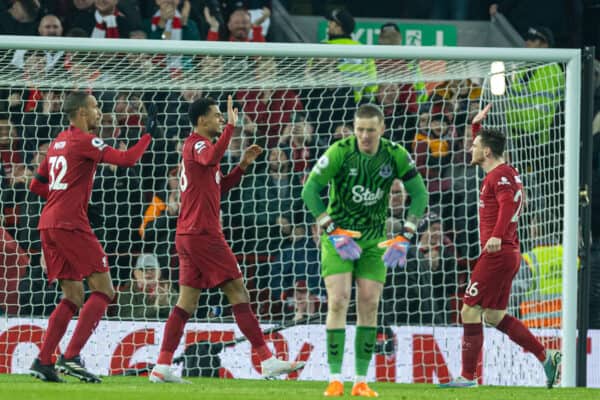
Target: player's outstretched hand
[
  {"x": 250, "y": 154},
  {"x": 344, "y": 244},
  {"x": 232, "y": 113},
  {"x": 481, "y": 115},
  {"x": 493, "y": 245},
  {"x": 395, "y": 255}
]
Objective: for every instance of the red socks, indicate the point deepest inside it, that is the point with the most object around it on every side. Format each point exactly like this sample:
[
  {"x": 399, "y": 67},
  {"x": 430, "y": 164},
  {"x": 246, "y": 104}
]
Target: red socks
[
  {"x": 57, "y": 325},
  {"x": 471, "y": 347},
  {"x": 518, "y": 333},
  {"x": 248, "y": 324},
  {"x": 90, "y": 315},
  {"x": 172, "y": 335}
]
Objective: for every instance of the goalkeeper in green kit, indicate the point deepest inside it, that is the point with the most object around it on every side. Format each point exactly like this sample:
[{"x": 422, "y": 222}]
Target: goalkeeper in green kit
[{"x": 360, "y": 170}]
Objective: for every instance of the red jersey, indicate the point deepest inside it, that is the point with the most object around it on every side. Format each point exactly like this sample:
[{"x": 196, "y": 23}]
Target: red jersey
[
  {"x": 69, "y": 168},
  {"x": 500, "y": 203},
  {"x": 201, "y": 183}
]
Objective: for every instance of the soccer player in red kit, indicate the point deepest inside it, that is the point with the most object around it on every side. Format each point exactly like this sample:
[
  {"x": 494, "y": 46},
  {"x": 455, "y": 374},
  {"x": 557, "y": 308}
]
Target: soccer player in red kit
[
  {"x": 71, "y": 251},
  {"x": 500, "y": 203},
  {"x": 205, "y": 259}
]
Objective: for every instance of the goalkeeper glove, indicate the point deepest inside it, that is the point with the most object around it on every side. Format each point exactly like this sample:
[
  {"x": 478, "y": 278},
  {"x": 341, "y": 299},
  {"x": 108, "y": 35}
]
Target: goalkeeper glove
[
  {"x": 397, "y": 248},
  {"x": 344, "y": 244},
  {"x": 395, "y": 255}
]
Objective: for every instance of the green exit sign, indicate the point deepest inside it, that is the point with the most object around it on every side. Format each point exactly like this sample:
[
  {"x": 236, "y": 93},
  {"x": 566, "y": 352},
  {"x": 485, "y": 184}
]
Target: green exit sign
[{"x": 412, "y": 34}]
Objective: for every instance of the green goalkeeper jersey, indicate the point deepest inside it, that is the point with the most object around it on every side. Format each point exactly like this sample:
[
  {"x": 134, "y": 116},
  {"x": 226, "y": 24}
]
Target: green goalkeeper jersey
[{"x": 360, "y": 184}]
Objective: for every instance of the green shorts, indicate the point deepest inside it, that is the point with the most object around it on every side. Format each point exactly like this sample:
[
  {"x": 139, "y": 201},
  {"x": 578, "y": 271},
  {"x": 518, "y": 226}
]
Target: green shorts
[{"x": 368, "y": 266}]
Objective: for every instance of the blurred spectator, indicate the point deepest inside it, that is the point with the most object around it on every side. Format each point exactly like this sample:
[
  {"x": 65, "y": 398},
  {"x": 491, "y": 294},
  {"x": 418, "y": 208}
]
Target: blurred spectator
[
  {"x": 146, "y": 295},
  {"x": 557, "y": 15},
  {"x": 106, "y": 21},
  {"x": 537, "y": 288},
  {"x": 76, "y": 10},
  {"x": 240, "y": 28},
  {"x": 270, "y": 108},
  {"x": 534, "y": 120},
  {"x": 160, "y": 220},
  {"x": 437, "y": 268},
  {"x": 453, "y": 98},
  {"x": 29, "y": 205},
  {"x": 301, "y": 302},
  {"x": 118, "y": 197},
  {"x": 36, "y": 112},
  {"x": 20, "y": 18},
  {"x": 342, "y": 131},
  {"x": 271, "y": 203},
  {"x": 299, "y": 139},
  {"x": 355, "y": 78},
  {"x": 395, "y": 221},
  {"x": 37, "y": 296},
  {"x": 433, "y": 150},
  {"x": 411, "y": 95},
  {"x": 297, "y": 258},
  {"x": 465, "y": 195},
  {"x": 171, "y": 22},
  {"x": 399, "y": 106},
  {"x": 14, "y": 172}
]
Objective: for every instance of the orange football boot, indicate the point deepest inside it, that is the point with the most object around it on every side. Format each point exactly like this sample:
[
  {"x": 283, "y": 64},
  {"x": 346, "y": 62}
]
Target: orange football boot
[
  {"x": 335, "y": 388},
  {"x": 362, "y": 389}
]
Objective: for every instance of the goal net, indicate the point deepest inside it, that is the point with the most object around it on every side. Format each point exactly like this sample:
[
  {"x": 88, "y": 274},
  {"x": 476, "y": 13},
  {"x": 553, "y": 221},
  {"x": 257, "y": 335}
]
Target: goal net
[{"x": 295, "y": 107}]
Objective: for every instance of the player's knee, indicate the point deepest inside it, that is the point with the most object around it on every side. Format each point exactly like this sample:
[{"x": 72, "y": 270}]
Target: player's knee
[
  {"x": 493, "y": 318},
  {"x": 338, "y": 303},
  {"x": 75, "y": 298},
  {"x": 369, "y": 304},
  {"x": 470, "y": 314},
  {"x": 109, "y": 292}
]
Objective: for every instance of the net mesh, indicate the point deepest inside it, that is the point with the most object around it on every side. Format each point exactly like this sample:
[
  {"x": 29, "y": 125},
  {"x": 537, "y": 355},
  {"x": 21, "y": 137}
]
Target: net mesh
[{"x": 295, "y": 108}]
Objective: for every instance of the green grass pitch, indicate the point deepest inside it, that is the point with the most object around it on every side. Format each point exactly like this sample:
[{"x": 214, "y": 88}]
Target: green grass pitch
[{"x": 134, "y": 388}]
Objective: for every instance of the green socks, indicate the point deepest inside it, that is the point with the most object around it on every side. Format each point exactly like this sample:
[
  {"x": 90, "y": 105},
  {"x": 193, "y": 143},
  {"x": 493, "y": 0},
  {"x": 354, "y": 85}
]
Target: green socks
[
  {"x": 336, "y": 339},
  {"x": 363, "y": 348}
]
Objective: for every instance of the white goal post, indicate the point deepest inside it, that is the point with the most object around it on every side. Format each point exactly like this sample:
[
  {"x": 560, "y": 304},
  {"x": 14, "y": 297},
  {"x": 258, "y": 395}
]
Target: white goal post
[{"x": 458, "y": 63}]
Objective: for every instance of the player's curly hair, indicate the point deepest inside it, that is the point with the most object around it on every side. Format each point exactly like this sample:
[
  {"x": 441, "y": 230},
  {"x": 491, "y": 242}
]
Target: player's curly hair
[
  {"x": 75, "y": 101},
  {"x": 495, "y": 140},
  {"x": 199, "y": 108}
]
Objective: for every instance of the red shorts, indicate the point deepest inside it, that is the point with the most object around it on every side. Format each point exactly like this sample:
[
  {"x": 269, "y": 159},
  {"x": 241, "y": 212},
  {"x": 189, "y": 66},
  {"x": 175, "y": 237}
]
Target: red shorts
[
  {"x": 205, "y": 261},
  {"x": 492, "y": 278},
  {"x": 72, "y": 255}
]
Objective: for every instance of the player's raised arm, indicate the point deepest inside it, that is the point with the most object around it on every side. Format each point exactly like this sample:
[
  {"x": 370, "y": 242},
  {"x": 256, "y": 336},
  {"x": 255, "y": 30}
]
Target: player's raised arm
[
  {"x": 478, "y": 119},
  {"x": 129, "y": 157},
  {"x": 233, "y": 178},
  {"x": 208, "y": 122}
]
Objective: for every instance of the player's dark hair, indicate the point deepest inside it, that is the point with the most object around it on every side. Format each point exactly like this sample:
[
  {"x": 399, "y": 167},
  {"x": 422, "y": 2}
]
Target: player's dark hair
[
  {"x": 495, "y": 140},
  {"x": 73, "y": 102},
  {"x": 200, "y": 108},
  {"x": 369, "y": 111}
]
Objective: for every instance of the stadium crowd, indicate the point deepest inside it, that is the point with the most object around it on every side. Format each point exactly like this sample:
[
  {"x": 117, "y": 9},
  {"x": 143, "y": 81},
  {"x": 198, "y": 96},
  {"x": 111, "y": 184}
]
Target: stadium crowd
[{"x": 133, "y": 211}]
